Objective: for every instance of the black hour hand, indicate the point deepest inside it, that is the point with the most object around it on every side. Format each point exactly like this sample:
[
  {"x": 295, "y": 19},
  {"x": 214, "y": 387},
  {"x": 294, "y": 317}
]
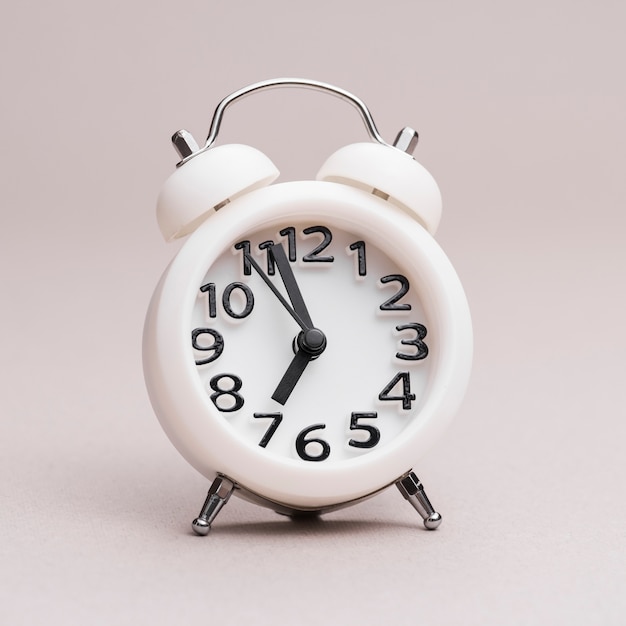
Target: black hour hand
[{"x": 311, "y": 343}]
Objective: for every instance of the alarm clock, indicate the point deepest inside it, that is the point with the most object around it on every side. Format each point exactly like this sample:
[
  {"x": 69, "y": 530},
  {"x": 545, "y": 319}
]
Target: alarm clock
[{"x": 310, "y": 340}]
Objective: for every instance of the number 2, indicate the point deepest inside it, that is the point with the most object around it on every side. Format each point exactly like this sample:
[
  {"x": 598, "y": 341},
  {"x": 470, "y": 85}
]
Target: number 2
[{"x": 392, "y": 303}]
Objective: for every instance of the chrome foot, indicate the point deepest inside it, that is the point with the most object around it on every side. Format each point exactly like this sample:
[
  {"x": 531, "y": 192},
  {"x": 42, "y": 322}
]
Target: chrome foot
[
  {"x": 412, "y": 489},
  {"x": 218, "y": 496}
]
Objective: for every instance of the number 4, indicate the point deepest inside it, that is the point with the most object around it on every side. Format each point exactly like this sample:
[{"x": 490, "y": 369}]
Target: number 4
[{"x": 407, "y": 397}]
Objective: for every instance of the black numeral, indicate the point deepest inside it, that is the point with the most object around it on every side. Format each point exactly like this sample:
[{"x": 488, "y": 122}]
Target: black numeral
[
  {"x": 421, "y": 347},
  {"x": 247, "y": 292},
  {"x": 406, "y": 398},
  {"x": 276, "y": 418},
  {"x": 271, "y": 266},
  {"x": 374, "y": 433},
  {"x": 217, "y": 347},
  {"x": 391, "y": 304},
  {"x": 313, "y": 256},
  {"x": 359, "y": 246},
  {"x": 245, "y": 246},
  {"x": 236, "y": 401},
  {"x": 290, "y": 233},
  {"x": 209, "y": 289},
  {"x": 302, "y": 442}
]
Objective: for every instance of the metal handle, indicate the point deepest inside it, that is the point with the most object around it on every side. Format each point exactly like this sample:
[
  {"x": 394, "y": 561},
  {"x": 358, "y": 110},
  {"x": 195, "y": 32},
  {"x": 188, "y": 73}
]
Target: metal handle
[
  {"x": 187, "y": 147},
  {"x": 291, "y": 82}
]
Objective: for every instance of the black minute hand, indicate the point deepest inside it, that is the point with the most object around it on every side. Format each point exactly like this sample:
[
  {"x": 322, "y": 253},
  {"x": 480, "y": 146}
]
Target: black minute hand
[
  {"x": 289, "y": 280},
  {"x": 277, "y": 293}
]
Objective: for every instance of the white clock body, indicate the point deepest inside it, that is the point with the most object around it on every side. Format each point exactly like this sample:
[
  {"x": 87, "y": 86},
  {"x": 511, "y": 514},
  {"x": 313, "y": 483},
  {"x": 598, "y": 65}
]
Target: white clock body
[{"x": 217, "y": 342}]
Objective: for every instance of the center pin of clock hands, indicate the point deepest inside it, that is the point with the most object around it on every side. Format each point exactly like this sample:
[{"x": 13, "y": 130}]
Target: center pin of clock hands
[{"x": 311, "y": 342}]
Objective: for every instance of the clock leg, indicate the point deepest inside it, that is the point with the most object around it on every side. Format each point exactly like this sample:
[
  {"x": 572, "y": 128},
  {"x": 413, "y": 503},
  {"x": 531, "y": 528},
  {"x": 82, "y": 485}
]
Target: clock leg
[
  {"x": 219, "y": 493},
  {"x": 411, "y": 488}
]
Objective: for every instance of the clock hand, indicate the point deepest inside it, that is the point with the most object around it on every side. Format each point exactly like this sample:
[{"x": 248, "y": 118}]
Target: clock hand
[
  {"x": 311, "y": 344},
  {"x": 291, "y": 377},
  {"x": 277, "y": 293},
  {"x": 289, "y": 280}
]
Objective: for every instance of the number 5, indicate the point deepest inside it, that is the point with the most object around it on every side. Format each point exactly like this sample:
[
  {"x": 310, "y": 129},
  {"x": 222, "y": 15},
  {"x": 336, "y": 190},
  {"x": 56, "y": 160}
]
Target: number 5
[{"x": 374, "y": 433}]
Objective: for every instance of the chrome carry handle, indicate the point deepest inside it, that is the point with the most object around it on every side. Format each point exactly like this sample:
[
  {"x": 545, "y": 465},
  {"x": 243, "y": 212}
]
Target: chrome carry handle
[{"x": 187, "y": 147}]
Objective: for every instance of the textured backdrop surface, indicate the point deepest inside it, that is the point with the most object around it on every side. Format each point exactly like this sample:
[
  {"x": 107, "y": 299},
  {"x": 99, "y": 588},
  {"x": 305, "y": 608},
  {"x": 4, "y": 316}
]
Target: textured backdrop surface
[{"x": 521, "y": 110}]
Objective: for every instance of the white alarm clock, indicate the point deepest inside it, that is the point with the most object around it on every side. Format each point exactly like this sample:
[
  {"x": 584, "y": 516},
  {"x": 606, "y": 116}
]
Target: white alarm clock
[{"x": 310, "y": 340}]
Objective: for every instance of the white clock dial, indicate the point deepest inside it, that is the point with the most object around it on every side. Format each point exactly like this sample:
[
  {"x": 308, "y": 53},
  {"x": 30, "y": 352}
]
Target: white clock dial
[{"x": 365, "y": 387}]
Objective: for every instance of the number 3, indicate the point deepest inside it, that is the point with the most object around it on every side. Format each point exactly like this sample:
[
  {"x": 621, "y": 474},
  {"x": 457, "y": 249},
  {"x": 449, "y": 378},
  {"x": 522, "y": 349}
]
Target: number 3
[{"x": 422, "y": 348}]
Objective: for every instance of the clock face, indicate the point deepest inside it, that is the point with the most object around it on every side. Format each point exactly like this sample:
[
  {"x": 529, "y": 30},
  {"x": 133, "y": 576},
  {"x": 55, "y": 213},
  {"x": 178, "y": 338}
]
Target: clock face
[
  {"x": 370, "y": 379},
  {"x": 307, "y": 419}
]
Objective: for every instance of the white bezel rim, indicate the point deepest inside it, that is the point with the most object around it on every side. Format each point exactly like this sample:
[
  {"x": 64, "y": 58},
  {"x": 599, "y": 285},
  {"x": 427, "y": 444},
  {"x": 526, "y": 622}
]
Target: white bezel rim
[{"x": 199, "y": 431}]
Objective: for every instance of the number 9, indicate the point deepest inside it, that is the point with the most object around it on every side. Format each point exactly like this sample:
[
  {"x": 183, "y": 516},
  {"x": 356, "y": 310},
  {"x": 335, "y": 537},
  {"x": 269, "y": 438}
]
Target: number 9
[{"x": 217, "y": 346}]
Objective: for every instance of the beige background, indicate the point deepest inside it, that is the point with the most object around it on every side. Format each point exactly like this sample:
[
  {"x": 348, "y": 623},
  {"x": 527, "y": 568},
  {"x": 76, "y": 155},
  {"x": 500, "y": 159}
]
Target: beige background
[{"x": 521, "y": 111}]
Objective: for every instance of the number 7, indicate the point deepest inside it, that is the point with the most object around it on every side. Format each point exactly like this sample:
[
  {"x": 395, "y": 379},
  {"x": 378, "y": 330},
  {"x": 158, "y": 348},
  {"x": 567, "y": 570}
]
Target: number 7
[{"x": 276, "y": 418}]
